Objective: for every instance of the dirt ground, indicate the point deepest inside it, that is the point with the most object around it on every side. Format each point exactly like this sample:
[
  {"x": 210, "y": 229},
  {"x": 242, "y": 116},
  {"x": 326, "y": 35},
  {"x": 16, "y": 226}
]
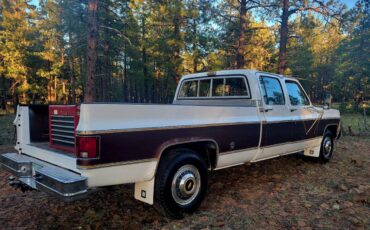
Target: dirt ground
[{"x": 287, "y": 192}]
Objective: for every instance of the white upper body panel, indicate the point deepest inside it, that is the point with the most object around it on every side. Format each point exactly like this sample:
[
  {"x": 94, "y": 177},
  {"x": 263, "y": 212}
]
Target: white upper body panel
[{"x": 100, "y": 117}]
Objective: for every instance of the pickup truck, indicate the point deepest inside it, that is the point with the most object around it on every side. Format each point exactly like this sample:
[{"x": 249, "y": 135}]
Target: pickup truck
[{"x": 217, "y": 120}]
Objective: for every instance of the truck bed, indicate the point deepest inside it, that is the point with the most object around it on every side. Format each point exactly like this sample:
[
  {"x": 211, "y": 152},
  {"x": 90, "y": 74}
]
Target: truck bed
[{"x": 46, "y": 146}]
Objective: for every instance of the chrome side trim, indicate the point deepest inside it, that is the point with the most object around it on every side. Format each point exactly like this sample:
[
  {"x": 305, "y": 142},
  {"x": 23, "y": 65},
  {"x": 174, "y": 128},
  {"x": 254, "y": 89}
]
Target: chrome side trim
[
  {"x": 237, "y": 151},
  {"x": 82, "y": 167},
  {"x": 94, "y": 132},
  {"x": 87, "y": 167},
  {"x": 292, "y": 142},
  {"x": 160, "y": 128}
]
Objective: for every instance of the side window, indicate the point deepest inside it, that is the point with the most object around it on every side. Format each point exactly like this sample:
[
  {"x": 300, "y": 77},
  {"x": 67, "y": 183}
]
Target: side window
[
  {"x": 296, "y": 94},
  {"x": 218, "y": 87},
  {"x": 189, "y": 89},
  {"x": 272, "y": 91},
  {"x": 205, "y": 88},
  {"x": 235, "y": 87}
]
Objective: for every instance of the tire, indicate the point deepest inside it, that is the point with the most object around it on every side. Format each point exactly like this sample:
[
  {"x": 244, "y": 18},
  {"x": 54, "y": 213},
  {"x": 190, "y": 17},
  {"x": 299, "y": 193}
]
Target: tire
[
  {"x": 180, "y": 183},
  {"x": 327, "y": 146}
]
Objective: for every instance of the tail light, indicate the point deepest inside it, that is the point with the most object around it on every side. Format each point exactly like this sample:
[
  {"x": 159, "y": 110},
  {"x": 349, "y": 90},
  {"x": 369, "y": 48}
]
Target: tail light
[{"x": 88, "y": 147}]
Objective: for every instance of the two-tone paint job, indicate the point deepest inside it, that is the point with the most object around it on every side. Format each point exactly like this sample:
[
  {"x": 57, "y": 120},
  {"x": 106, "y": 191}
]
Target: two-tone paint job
[{"x": 133, "y": 137}]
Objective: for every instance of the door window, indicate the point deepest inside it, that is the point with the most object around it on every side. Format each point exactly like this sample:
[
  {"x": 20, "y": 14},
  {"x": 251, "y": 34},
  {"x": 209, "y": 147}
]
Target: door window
[
  {"x": 296, "y": 94},
  {"x": 272, "y": 91}
]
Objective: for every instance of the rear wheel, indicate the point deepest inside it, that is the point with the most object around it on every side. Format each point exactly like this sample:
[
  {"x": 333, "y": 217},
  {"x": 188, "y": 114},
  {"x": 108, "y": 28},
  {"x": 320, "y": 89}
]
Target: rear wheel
[
  {"x": 327, "y": 146},
  {"x": 180, "y": 183}
]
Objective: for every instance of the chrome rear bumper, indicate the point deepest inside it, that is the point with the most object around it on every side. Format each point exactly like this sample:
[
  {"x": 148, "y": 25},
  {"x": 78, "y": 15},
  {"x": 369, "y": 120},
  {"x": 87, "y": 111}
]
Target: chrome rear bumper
[{"x": 44, "y": 176}]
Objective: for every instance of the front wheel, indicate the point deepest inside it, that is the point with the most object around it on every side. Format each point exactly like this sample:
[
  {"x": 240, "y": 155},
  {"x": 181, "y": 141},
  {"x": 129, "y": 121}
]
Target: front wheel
[
  {"x": 327, "y": 146},
  {"x": 180, "y": 183}
]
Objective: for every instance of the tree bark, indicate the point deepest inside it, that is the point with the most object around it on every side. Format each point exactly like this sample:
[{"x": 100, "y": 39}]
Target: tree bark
[
  {"x": 15, "y": 98},
  {"x": 176, "y": 49},
  {"x": 125, "y": 86},
  {"x": 3, "y": 93},
  {"x": 241, "y": 35},
  {"x": 283, "y": 37},
  {"x": 72, "y": 95},
  {"x": 92, "y": 40},
  {"x": 106, "y": 76},
  {"x": 144, "y": 59},
  {"x": 195, "y": 51}
]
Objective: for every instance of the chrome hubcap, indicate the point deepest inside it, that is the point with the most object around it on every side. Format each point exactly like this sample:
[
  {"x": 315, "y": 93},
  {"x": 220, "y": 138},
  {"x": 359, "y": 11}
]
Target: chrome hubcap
[
  {"x": 185, "y": 184},
  {"x": 327, "y": 144}
]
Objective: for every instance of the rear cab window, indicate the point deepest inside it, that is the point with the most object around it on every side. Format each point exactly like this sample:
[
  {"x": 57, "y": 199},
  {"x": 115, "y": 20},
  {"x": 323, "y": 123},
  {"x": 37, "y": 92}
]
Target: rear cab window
[{"x": 215, "y": 87}]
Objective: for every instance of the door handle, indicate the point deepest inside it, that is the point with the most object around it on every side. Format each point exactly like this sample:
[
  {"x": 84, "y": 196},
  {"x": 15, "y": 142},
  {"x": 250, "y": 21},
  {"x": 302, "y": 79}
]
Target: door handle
[
  {"x": 268, "y": 109},
  {"x": 292, "y": 110}
]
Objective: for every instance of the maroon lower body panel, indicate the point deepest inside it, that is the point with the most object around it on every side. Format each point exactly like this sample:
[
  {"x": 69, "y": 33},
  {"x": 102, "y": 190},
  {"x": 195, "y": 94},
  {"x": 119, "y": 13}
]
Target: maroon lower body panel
[{"x": 140, "y": 145}]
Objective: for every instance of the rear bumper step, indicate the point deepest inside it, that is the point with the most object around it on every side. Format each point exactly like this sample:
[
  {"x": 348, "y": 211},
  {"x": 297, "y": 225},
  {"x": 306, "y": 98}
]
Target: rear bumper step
[{"x": 44, "y": 176}]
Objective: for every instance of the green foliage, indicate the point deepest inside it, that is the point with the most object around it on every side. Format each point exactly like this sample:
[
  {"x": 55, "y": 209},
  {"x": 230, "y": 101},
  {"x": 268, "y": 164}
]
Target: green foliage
[
  {"x": 145, "y": 46},
  {"x": 353, "y": 66},
  {"x": 16, "y": 42}
]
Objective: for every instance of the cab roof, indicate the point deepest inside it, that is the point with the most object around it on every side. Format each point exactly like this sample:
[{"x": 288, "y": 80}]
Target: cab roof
[{"x": 247, "y": 72}]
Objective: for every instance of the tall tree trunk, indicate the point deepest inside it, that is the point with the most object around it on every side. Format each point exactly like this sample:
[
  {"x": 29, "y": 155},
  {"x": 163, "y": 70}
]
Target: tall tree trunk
[
  {"x": 283, "y": 37},
  {"x": 15, "y": 97},
  {"x": 92, "y": 40},
  {"x": 144, "y": 59},
  {"x": 3, "y": 93},
  {"x": 195, "y": 51},
  {"x": 106, "y": 76},
  {"x": 241, "y": 35},
  {"x": 125, "y": 86},
  {"x": 176, "y": 50},
  {"x": 72, "y": 95},
  {"x": 55, "y": 89}
]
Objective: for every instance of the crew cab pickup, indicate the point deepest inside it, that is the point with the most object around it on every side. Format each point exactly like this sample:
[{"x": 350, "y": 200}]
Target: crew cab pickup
[{"x": 217, "y": 120}]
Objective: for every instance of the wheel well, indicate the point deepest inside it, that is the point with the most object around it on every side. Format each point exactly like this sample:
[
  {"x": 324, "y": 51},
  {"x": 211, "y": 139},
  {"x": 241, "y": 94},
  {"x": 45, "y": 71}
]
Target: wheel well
[
  {"x": 206, "y": 149},
  {"x": 332, "y": 129}
]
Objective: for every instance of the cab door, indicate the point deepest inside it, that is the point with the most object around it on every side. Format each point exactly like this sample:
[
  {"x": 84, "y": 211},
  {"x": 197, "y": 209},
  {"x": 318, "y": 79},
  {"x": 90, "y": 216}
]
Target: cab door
[
  {"x": 277, "y": 122},
  {"x": 305, "y": 117}
]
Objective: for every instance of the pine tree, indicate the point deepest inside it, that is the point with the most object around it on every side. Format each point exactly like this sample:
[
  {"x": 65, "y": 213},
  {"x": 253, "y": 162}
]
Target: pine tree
[
  {"x": 16, "y": 41},
  {"x": 51, "y": 53}
]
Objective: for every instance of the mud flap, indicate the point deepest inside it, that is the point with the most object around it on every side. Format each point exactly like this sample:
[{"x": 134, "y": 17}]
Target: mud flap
[
  {"x": 144, "y": 191},
  {"x": 313, "y": 151}
]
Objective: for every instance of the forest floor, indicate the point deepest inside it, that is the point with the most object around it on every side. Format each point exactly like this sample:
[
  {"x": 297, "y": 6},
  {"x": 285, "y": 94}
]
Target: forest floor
[{"x": 289, "y": 192}]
